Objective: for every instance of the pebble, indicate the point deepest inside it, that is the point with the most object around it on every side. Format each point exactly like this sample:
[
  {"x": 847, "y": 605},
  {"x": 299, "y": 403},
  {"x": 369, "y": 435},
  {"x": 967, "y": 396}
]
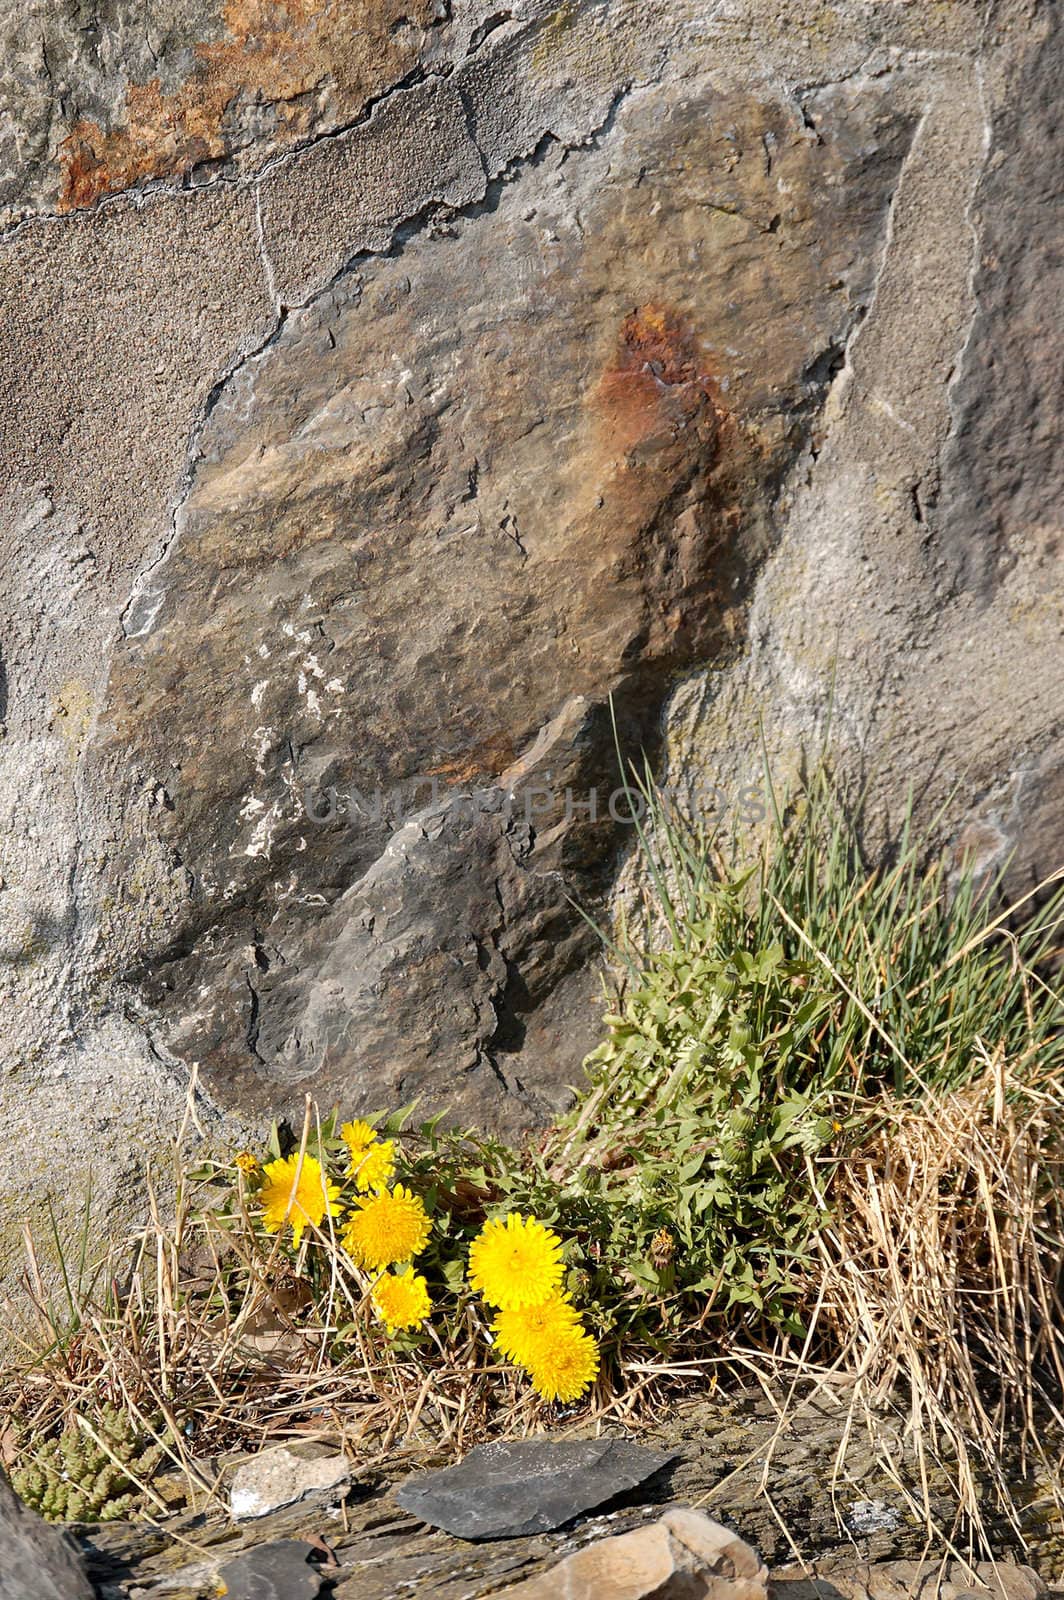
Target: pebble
[{"x": 278, "y": 1477}]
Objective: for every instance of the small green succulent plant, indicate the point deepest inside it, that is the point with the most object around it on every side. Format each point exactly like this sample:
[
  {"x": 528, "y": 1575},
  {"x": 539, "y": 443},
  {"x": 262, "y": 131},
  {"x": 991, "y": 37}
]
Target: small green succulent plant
[{"x": 72, "y": 1479}]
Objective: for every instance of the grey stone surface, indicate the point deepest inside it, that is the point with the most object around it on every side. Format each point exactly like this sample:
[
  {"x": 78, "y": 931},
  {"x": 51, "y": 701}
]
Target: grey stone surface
[
  {"x": 36, "y": 1559},
  {"x": 514, "y": 1488},
  {"x": 485, "y": 362},
  {"x": 349, "y": 196},
  {"x": 916, "y": 587},
  {"x": 931, "y": 1579},
  {"x": 998, "y": 499}
]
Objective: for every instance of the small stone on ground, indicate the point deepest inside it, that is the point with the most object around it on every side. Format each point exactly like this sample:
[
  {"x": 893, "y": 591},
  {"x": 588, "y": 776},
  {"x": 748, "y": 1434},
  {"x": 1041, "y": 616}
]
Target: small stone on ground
[
  {"x": 278, "y": 1477},
  {"x": 872, "y": 1516},
  {"x": 280, "y": 1571},
  {"x": 685, "y": 1555}
]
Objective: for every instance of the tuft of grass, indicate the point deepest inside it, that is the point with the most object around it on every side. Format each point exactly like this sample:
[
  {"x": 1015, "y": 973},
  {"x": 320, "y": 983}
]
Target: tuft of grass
[
  {"x": 918, "y": 1248},
  {"x": 775, "y": 1015},
  {"x": 918, "y": 961}
]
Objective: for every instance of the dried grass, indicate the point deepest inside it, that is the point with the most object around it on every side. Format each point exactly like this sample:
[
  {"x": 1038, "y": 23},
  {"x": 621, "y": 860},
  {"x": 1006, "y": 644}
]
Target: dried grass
[{"x": 940, "y": 1279}]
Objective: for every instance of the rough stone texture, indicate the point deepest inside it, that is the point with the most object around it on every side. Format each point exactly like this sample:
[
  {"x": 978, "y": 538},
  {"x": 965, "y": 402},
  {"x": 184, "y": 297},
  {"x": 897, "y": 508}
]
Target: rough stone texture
[
  {"x": 376, "y": 1550},
  {"x": 198, "y": 93},
  {"x": 684, "y": 1556},
  {"x": 555, "y": 488},
  {"x": 384, "y": 387},
  {"x": 512, "y": 1488},
  {"x": 842, "y": 1579},
  {"x": 35, "y": 1559},
  {"x": 916, "y": 584}
]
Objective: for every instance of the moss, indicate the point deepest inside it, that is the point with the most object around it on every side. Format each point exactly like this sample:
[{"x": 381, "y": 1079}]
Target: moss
[
  {"x": 557, "y": 25},
  {"x": 71, "y": 712}
]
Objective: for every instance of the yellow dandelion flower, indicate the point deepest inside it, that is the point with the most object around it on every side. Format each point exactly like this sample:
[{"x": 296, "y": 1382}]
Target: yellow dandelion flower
[
  {"x": 372, "y": 1159},
  {"x": 358, "y": 1136},
  {"x": 521, "y": 1332},
  {"x": 387, "y": 1228},
  {"x": 246, "y": 1162},
  {"x": 301, "y": 1186},
  {"x": 515, "y": 1261},
  {"x": 563, "y": 1367},
  {"x": 374, "y": 1168},
  {"x": 401, "y": 1300}
]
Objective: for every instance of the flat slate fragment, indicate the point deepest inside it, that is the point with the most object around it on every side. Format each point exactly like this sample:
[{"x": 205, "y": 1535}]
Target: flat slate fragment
[
  {"x": 516, "y": 1487},
  {"x": 278, "y": 1571}
]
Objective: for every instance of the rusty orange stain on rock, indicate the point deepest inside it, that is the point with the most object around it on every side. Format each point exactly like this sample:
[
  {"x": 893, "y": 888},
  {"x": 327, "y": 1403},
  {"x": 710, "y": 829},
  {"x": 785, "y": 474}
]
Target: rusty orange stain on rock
[
  {"x": 488, "y": 757},
  {"x": 299, "y": 57},
  {"x": 668, "y": 481},
  {"x": 655, "y": 386}
]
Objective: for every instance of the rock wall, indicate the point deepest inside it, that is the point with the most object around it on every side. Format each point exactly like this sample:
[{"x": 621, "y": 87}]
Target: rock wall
[{"x": 386, "y": 388}]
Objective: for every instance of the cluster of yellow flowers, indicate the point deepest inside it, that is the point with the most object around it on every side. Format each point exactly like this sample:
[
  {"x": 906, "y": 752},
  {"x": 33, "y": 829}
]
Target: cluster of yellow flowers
[
  {"x": 387, "y": 1227},
  {"x": 515, "y": 1263}
]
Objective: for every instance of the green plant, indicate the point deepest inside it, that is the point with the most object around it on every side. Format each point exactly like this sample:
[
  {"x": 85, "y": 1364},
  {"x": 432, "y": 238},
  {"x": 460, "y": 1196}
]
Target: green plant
[
  {"x": 90, "y": 1472},
  {"x": 706, "y": 1114},
  {"x": 917, "y": 961},
  {"x": 758, "y": 1032}
]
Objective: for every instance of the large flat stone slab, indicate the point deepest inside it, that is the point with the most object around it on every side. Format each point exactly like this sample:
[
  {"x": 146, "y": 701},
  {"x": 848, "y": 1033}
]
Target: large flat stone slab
[{"x": 514, "y": 1488}]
